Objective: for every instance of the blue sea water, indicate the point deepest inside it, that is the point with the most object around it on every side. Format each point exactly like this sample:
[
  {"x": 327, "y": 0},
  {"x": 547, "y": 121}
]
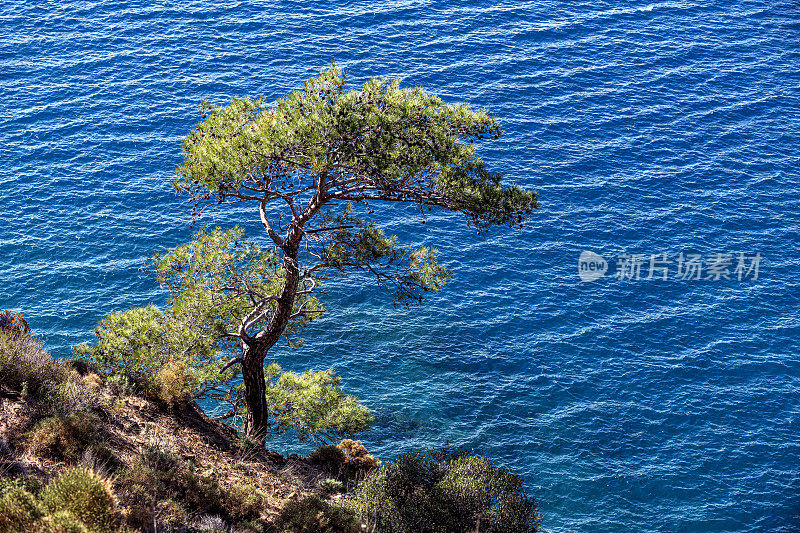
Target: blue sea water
[{"x": 648, "y": 127}]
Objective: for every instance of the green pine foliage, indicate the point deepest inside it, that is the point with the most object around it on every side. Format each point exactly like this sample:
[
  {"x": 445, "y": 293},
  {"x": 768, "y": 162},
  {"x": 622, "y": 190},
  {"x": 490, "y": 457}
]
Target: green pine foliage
[
  {"x": 313, "y": 405},
  {"x": 215, "y": 278},
  {"x": 387, "y": 138},
  {"x": 137, "y": 344}
]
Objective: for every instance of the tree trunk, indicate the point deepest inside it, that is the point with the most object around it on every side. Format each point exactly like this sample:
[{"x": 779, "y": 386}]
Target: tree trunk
[
  {"x": 255, "y": 389},
  {"x": 254, "y": 355}
]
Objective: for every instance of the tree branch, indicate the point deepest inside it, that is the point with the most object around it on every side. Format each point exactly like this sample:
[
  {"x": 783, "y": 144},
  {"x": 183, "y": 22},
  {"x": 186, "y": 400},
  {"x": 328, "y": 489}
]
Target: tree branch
[
  {"x": 230, "y": 364},
  {"x": 262, "y": 210}
]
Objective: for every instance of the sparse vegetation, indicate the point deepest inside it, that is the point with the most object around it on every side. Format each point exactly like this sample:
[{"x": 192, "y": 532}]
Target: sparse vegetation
[
  {"x": 162, "y": 487},
  {"x": 74, "y": 409}
]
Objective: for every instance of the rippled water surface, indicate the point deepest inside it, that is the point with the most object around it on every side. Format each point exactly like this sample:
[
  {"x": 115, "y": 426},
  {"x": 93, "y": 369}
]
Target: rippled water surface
[{"x": 647, "y": 127}]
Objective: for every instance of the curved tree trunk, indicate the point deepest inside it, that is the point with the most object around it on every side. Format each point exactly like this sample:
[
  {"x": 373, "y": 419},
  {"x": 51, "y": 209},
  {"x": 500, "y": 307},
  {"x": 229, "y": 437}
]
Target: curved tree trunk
[
  {"x": 255, "y": 388},
  {"x": 254, "y": 355}
]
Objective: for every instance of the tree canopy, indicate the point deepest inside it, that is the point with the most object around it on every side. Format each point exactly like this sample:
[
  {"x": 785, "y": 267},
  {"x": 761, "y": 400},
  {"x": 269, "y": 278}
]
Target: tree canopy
[
  {"x": 324, "y": 143},
  {"x": 303, "y": 163},
  {"x": 315, "y": 166}
]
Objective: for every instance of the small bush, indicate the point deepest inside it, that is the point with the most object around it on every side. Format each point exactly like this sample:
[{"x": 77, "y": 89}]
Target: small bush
[
  {"x": 330, "y": 458},
  {"x": 61, "y": 522},
  {"x": 445, "y": 493},
  {"x": 24, "y": 361},
  {"x": 358, "y": 462},
  {"x": 243, "y": 503},
  {"x": 18, "y": 509},
  {"x": 85, "y": 495},
  {"x": 171, "y": 514},
  {"x": 312, "y": 515},
  {"x": 83, "y": 366},
  {"x": 155, "y": 458},
  {"x": 139, "y": 516},
  {"x": 92, "y": 381},
  {"x": 99, "y": 458},
  {"x": 61, "y": 437},
  {"x": 329, "y": 486},
  {"x": 123, "y": 384},
  {"x": 175, "y": 385},
  {"x": 251, "y": 526},
  {"x": 71, "y": 396}
]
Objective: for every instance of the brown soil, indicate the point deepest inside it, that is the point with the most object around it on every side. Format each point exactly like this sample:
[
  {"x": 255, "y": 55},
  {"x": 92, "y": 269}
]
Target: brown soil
[{"x": 129, "y": 424}]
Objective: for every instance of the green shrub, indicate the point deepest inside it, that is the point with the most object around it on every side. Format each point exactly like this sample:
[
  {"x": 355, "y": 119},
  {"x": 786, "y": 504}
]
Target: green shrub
[
  {"x": 329, "y": 457},
  {"x": 445, "y": 493},
  {"x": 85, "y": 495},
  {"x": 139, "y": 516},
  {"x": 175, "y": 385},
  {"x": 61, "y": 522},
  {"x": 140, "y": 342},
  {"x": 242, "y": 503},
  {"x": 155, "y": 458},
  {"x": 123, "y": 384},
  {"x": 329, "y": 486},
  {"x": 171, "y": 514},
  {"x": 62, "y": 437},
  {"x": 18, "y": 509},
  {"x": 312, "y": 515}
]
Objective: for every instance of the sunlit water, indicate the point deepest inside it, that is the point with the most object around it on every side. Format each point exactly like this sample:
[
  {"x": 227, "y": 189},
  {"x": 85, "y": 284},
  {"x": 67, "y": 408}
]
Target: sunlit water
[{"x": 647, "y": 127}]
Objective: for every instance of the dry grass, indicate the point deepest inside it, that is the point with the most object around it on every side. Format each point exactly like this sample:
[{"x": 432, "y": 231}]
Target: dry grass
[
  {"x": 52, "y": 418},
  {"x": 245, "y": 483}
]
